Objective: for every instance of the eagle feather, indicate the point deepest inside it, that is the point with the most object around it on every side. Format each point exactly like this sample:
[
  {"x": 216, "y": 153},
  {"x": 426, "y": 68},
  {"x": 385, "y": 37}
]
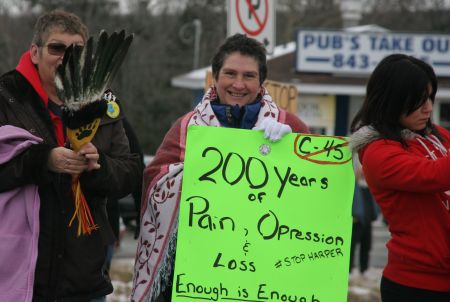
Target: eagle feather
[{"x": 86, "y": 72}]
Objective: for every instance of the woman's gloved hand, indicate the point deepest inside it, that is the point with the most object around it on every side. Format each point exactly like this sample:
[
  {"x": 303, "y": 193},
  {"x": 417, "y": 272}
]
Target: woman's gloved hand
[{"x": 273, "y": 130}]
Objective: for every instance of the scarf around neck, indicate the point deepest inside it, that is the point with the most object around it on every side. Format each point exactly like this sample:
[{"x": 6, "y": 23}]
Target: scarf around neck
[{"x": 235, "y": 116}]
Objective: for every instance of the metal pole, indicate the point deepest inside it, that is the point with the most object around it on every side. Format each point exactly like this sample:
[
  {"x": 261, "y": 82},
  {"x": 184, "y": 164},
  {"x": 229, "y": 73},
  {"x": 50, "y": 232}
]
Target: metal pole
[{"x": 198, "y": 33}]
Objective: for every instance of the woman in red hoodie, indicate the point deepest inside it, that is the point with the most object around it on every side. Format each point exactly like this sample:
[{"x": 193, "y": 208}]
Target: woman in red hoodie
[{"x": 406, "y": 163}]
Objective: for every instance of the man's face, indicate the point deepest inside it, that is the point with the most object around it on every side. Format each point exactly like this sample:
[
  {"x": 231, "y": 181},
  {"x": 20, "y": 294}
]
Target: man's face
[{"x": 49, "y": 55}]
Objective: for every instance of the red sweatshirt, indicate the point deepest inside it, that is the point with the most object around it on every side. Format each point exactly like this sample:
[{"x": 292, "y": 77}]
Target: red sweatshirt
[{"x": 410, "y": 186}]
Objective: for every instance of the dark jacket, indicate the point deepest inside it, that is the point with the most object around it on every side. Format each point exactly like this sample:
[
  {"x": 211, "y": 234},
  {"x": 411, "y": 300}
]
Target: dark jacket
[
  {"x": 69, "y": 268},
  {"x": 112, "y": 207}
]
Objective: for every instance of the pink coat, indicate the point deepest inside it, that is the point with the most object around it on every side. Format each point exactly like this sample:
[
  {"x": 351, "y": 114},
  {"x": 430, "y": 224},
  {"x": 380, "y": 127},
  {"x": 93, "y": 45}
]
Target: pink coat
[{"x": 19, "y": 224}]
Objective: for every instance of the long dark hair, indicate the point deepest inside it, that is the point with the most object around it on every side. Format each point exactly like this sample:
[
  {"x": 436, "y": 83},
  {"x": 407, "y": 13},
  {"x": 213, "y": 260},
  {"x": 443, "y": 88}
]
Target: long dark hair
[{"x": 398, "y": 85}]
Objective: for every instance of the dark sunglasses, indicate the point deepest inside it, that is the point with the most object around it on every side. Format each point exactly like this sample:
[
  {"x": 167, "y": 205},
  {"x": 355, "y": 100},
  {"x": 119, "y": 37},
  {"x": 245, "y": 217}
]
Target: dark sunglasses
[{"x": 56, "y": 49}]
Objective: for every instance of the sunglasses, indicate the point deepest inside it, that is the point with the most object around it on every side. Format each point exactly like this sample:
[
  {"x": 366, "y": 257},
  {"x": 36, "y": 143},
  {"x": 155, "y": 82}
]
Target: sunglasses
[{"x": 57, "y": 49}]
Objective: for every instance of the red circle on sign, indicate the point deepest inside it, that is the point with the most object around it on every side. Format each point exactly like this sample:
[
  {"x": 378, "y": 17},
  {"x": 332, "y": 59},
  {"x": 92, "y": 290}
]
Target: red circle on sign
[{"x": 255, "y": 15}]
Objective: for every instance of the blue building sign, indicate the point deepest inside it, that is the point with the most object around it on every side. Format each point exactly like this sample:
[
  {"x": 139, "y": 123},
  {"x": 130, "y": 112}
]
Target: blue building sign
[{"x": 359, "y": 53}]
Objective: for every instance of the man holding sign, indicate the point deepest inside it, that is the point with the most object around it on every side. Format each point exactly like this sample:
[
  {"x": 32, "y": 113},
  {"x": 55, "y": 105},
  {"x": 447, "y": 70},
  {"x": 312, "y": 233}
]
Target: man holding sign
[{"x": 237, "y": 99}]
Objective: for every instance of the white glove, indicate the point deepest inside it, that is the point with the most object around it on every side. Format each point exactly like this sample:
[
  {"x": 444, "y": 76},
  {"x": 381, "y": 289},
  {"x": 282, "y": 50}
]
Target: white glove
[{"x": 273, "y": 130}]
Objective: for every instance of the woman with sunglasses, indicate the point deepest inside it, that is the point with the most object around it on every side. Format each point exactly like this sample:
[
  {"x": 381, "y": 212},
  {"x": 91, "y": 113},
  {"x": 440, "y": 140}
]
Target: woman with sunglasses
[
  {"x": 406, "y": 162},
  {"x": 67, "y": 267}
]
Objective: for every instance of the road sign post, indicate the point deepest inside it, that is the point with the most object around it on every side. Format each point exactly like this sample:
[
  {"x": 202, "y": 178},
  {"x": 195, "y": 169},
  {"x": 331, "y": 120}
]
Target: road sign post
[{"x": 255, "y": 18}]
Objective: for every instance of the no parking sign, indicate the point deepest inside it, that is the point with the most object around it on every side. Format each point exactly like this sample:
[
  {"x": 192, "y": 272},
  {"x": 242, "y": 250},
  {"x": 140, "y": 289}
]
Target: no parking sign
[{"x": 255, "y": 18}]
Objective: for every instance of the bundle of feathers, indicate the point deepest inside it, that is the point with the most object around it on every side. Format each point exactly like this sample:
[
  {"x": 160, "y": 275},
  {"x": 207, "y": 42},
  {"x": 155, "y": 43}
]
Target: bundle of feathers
[
  {"x": 81, "y": 80},
  {"x": 84, "y": 75}
]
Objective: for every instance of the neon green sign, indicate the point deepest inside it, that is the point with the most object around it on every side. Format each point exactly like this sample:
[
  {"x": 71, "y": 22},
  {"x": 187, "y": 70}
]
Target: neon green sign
[{"x": 262, "y": 221}]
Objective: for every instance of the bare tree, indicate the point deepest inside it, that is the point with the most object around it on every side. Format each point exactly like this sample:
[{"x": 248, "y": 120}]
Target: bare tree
[{"x": 293, "y": 15}]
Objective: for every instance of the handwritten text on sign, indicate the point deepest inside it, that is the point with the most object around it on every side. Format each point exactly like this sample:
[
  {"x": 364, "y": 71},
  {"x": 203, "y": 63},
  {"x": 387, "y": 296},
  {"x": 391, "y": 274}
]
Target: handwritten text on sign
[{"x": 262, "y": 221}]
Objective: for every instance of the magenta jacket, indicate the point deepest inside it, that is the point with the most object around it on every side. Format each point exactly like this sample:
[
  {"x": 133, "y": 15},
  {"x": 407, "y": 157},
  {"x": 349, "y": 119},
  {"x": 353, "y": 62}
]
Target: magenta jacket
[{"x": 19, "y": 224}]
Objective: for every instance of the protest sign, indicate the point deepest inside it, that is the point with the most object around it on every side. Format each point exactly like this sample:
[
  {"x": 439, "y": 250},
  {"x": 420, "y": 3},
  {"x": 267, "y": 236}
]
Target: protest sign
[{"x": 263, "y": 221}]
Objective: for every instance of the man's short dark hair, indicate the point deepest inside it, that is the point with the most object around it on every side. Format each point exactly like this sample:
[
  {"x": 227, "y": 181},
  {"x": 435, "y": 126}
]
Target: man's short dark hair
[
  {"x": 245, "y": 46},
  {"x": 61, "y": 21}
]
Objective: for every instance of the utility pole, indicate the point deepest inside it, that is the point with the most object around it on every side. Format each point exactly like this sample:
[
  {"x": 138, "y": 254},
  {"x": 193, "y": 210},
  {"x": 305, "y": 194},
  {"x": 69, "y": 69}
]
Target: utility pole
[
  {"x": 198, "y": 33},
  {"x": 187, "y": 37}
]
